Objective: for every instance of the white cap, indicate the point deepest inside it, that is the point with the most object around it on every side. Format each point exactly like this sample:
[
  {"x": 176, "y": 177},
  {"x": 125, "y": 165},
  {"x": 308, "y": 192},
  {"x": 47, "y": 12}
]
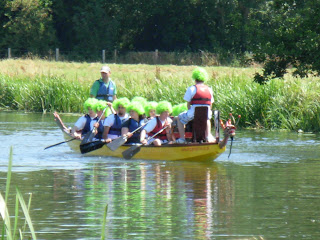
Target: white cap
[{"x": 105, "y": 69}]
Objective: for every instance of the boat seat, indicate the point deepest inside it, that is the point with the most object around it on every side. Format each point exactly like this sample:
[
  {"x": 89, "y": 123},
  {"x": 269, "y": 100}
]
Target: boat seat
[{"x": 199, "y": 125}]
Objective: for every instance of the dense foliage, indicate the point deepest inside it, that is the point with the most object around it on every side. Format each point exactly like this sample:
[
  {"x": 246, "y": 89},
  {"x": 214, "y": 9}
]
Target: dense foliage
[{"x": 279, "y": 33}]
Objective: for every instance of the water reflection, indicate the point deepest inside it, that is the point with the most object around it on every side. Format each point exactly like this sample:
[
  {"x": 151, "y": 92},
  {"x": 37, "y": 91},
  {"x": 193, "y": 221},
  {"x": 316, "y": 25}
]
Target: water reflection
[{"x": 269, "y": 188}]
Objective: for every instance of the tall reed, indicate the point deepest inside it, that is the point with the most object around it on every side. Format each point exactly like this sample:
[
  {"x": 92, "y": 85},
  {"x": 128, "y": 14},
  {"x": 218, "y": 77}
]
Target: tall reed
[
  {"x": 293, "y": 103},
  {"x": 11, "y": 233}
]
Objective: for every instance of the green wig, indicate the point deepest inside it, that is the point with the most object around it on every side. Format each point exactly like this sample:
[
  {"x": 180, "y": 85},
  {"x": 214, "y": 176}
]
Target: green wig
[
  {"x": 163, "y": 106},
  {"x": 149, "y": 106},
  {"x": 100, "y": 105},
  {"x": 177, "y": 109},
  {"x": 141, "y": 100},
  {"x": 137, "y": 107},
  {"x": 200, "y": 74},
  {"x": 121, "y": 101},
  {"x": 90, "y": 103}
]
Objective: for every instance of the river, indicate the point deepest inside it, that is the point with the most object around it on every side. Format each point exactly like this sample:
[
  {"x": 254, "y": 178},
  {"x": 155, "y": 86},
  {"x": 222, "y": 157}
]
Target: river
[{"x": 269, "y": 188}]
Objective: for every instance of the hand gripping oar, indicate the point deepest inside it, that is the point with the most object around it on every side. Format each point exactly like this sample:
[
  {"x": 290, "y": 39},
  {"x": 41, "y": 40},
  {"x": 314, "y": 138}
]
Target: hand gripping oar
[
  {"x": 115, "y": 144},
  {"x": 130, "y": 152},
  {"x": 89, "y": 136},
  {"x": 59, "y": 143}
]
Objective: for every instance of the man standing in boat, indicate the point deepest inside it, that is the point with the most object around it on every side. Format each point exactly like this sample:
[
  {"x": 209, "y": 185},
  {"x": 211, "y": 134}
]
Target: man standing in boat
[
  {"x": 198, "y": 95},
  {"x": 104, "y": 88}
]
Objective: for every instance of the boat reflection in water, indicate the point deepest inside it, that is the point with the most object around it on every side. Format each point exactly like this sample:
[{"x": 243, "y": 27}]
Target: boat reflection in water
[{"x": 169, "y": 199}]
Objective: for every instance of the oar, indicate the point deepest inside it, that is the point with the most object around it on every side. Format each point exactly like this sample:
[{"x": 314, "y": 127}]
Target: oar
[
  {"x": 59, "y": 143},
  {"x": 115, "y": 144},
  {"x": 91, "y": 146},
  {"x": 89, "y": 136},
  {"x": 129, "y": 153}
]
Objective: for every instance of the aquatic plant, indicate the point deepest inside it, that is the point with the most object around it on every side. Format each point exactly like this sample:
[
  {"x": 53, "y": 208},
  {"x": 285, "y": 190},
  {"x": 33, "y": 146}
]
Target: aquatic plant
[{"x": 11, "y": 233}]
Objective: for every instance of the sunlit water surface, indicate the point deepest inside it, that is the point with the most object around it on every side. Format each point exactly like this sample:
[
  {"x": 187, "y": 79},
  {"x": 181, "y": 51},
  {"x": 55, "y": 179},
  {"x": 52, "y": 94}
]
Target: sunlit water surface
[{"x": 269, "y": 188}]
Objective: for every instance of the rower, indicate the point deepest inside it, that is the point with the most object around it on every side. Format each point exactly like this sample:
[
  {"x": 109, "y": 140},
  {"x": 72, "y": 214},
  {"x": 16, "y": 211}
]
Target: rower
[
  {"x": 85, "y": 123},
  {"x": 198, "y": 95},
  {"x": 150, "y": 109},
  {"x": 112, "y": 124},
  {"x": 155, "y": 125},
  {"x": 136, "y": 120}
]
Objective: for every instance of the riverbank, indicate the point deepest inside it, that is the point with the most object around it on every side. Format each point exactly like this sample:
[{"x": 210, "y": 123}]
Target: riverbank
[{"x": 43, "y": 86}]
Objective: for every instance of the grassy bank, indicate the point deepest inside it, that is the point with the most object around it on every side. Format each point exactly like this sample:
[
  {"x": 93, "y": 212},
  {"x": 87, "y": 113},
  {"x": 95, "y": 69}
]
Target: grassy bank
[{"x": 35, "y": 85}]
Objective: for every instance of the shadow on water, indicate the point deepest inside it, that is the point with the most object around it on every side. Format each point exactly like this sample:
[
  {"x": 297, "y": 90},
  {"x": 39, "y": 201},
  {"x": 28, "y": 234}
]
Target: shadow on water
[{"x": 268, "y": 188}]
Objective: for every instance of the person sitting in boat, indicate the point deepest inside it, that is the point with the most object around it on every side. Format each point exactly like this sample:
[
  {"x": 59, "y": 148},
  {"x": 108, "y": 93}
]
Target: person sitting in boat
[
  {"x": 197, "y": 95},
  {"x": 150, "y": 109},
  {"x": 136, "y": 120},
  {"x": 85, "y": 123},
  {"x": 99, "y": 107},
  {"x": 112, "y": 124},
  {"x": 155, "y": 125}
]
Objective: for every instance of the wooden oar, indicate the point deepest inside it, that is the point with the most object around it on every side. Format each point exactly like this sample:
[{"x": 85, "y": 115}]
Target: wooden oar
[
  {"x": 115, "y": 144},
  {"x": 59, "y": 143},
  {"x": 89, "y": 136},
  {"x": 129, "y": 153}
]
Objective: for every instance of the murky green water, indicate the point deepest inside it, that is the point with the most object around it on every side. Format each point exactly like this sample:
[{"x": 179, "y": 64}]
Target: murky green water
[{"x": 269, "y": 188}]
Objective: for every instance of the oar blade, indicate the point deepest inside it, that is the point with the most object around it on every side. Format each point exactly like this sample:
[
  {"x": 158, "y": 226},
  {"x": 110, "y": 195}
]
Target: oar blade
[
  {"x": 115, "y": 144},
  {"x": 91, "y": 146},
  {"x": 130, "y": 152},
  {"x": 87, "y": 138}
]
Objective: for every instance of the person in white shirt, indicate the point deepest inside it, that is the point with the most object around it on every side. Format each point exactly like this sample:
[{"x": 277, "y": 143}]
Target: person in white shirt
[
  {"x": 113, "y": 123},
  {"x": 85, "y": 123},
  {"x": 198, "y": 95},
  {"x": 155, "y": 125}
]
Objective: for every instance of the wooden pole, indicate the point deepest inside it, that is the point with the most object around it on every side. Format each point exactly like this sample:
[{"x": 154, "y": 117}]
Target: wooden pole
[
  {"x": 103, "y": 56},
  {"x": 57, "y": 54},
  {"x": 9, "y": 52},
  {"x": 156, "y": 55},
  {"x": 115, "y": 55}
]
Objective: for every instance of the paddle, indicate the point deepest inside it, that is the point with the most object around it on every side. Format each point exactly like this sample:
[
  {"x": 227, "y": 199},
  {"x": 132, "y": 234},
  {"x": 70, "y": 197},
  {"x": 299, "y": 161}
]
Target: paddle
[
  {"x": 115, "y": 144},
  {"x": 130, "y": 152},
  {"x": 89, "y": 136},
  {"x": 91, "y": 146},
  {"x": 59, "y": 143}
]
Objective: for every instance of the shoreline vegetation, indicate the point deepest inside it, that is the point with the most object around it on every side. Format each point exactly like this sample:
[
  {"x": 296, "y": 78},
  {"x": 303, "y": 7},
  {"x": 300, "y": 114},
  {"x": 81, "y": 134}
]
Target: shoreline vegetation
[{"x": 44, "y": 86}]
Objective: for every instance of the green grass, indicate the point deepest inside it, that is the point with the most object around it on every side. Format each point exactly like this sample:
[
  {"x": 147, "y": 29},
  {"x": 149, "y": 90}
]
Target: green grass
[{"x": 42, "y": 86}]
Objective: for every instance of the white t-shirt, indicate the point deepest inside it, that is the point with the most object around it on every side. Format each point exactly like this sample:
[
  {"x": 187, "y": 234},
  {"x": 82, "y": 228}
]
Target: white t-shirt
[
  {"x": 81, "y": 122},
  {"x": 109, "y": 121},
  {"x": 153, "y": 123}
]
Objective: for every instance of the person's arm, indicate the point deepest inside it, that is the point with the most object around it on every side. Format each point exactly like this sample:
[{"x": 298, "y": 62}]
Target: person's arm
[
  {"x": 143, "y": 139},
  {"x": 111, "y": 108},
  {"x": 188, "y": 105},
  {"x": 94, "y": 89}
]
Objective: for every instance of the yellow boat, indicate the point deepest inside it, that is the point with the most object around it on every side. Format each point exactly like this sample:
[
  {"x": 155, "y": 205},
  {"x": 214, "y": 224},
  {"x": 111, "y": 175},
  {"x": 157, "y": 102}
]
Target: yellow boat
[{"x": 171, "y": 152}]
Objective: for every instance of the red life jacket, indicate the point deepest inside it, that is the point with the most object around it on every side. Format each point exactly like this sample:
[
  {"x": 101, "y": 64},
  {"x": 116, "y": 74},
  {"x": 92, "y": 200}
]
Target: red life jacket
[
  {"x": 202, "y": 95},
  {"x": 162, "y": 135}
]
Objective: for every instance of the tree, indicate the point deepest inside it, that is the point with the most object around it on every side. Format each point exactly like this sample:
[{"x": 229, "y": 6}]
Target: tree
[
  {"x": 287, "y": 33},
  {"x": 29, "y": 25}
]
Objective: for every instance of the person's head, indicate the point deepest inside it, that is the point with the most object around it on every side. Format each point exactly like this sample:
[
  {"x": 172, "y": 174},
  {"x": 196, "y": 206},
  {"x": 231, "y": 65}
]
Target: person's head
[
  {"x": 150, "y": 109},
  {"x": 199, "y": 74},
  {"x": 99, "y": 106},
  {"x": 105, "y": 72},
  {"x": 120, "y": 105},
  {"x": 141, "y": 100},
  {"x": 164, "y": 109},
  {"x": 89, "y": 106},
  {"x": 135, "y": 110}
]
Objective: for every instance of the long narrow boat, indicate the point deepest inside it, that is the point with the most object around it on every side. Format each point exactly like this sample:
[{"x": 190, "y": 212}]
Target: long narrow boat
[{"x": 172, "y": 152}]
